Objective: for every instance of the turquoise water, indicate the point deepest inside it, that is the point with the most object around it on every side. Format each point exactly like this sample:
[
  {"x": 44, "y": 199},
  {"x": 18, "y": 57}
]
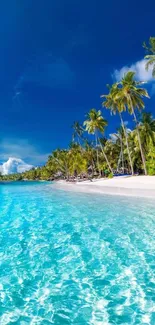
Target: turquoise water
[{"x": 71, "y": 258}]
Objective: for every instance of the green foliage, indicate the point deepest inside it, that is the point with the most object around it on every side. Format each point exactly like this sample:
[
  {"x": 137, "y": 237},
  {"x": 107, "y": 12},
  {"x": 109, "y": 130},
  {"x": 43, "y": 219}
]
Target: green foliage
[
  {"x": 147, "y": 130},
  {"x": 131, "y": 94},
  {"x": 127, "y": 150},
  {"x": 150, "y": 168},
  {"x": 91, "y": 159},
  {"x": 150, "y": 57},
  {"x": 150, "y": 163},
  {"x": 77, "y": 132},
  {"x": 150, "y": 48},
  {"x": 110, "y": 175},
  {"x": 95, "y": 122}
]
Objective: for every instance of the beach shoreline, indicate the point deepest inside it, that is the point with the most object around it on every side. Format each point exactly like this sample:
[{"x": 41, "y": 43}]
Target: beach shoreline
[{"x": 136, "y": 186}]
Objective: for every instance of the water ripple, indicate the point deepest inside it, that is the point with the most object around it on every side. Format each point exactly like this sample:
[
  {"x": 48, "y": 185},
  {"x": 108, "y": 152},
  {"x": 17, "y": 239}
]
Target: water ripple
[{"x": 74, "y": 258}]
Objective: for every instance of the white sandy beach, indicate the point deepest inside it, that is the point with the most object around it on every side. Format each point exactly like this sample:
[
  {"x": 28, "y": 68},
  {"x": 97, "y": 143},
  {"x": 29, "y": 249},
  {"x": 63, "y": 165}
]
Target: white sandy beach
[{"x": 138, "y": 186}]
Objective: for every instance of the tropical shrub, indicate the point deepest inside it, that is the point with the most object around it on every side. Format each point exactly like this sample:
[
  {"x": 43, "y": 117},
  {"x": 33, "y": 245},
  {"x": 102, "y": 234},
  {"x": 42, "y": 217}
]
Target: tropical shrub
[
  {"x": 150, "y": 163},
  {"x": 110, "y": 175}
]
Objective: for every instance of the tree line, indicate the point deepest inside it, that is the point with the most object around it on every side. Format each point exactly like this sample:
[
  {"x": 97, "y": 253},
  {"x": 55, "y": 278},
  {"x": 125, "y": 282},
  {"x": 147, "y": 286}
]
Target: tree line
[{"x": 125, "y": 151}]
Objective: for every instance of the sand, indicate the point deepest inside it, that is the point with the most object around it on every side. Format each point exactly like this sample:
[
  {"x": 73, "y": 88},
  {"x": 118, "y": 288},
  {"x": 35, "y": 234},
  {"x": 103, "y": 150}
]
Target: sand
[{"x": 140, "y": 186}]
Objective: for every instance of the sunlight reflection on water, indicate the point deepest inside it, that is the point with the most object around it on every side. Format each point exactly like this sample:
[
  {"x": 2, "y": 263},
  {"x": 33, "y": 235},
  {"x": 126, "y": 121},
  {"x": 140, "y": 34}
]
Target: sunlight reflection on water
[{"x": 71, "y": 258}]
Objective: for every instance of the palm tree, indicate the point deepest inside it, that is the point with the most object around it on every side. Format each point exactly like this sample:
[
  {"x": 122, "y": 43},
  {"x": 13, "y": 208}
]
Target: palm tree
[
  {"x": 147, "y": 130},
  {"x": 131, "y": 96},
  {"x": 112, "y": 150},
  {"x": 151, "y": 160},
  {"x": 77, "y": 132},
  {"x": 61, "y": 162},
  {"x": 90, "y": 156},
  {"x": 95, "y": 124},
  {"x": 118, "y": 138},
  {"x": 78, "y": 162},
  {"x": 150, "y": 57},
  {"x": 135, "y": 150},
  {"x": 113, "y": 103}
]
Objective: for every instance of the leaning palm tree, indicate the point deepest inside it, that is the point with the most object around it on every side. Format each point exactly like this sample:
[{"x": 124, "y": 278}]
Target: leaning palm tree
[
  {"x": 77, "y": 132},
  {"x": 118, "y": 138},
  {"x": 95, "y": 124},
  {"x": 131, "y": 96},
  {"x": 151, "y": 56},
  {"x": 147, "y": 130},
  {"x": 113, "y": 103}
]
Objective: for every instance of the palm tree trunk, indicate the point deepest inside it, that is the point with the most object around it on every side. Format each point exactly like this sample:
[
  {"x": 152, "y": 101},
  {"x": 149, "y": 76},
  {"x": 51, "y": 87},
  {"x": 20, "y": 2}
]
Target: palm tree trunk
[
  {"x": 127, "y": 144},
  {"x": 122, "y": 153},
  {"x": 105, "y": 156},
  {"x": 139, "y": 140},
  {"x": 97, "y": 153},
  {"x": 79, "y": 142},
  {"x": 93, "y": 168}
]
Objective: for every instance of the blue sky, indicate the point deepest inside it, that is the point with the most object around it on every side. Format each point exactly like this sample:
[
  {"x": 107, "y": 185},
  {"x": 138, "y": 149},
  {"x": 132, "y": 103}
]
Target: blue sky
[{"x": 55, "y": 59}]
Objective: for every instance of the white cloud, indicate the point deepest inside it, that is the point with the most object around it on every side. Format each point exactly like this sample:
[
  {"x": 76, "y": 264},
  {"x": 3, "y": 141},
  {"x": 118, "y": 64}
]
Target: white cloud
[
  {"x": 139, "y": 68},
  {"x": 21, "y": 149},
  {"x": 14, "y": 165},
  {"x": 113, "y": 137}
]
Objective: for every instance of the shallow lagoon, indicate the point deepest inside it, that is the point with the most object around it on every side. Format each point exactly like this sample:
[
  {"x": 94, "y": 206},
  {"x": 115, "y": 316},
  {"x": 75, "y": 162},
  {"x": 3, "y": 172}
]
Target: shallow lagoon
[{"x": 75, "y": 258}]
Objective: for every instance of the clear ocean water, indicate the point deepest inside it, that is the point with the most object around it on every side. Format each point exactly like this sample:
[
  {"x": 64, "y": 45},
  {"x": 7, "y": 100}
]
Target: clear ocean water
[{"x": 75, "y": 258}]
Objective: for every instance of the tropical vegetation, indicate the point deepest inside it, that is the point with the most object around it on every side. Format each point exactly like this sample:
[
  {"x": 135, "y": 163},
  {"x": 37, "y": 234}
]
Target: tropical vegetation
[
  {"x": 150, "y": 57},
  {"x": 92, "y": 154}
]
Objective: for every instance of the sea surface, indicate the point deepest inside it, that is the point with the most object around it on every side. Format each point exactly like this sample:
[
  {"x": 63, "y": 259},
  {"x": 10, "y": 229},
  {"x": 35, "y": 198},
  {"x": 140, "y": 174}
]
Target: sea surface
[{"x": 75, "y": 258}]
